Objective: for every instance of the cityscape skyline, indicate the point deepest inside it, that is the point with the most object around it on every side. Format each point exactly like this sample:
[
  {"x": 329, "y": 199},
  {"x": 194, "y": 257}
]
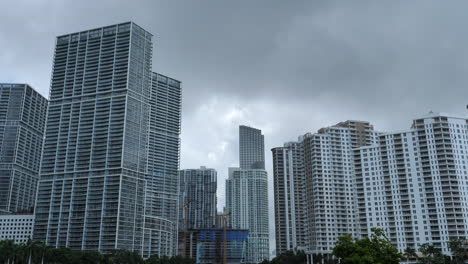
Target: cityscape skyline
[{"x": 225, "y": 107}]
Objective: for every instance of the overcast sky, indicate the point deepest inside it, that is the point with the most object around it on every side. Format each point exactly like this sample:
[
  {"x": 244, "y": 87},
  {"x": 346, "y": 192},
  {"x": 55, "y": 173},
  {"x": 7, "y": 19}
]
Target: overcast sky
[{"x": 286, "y": 67}]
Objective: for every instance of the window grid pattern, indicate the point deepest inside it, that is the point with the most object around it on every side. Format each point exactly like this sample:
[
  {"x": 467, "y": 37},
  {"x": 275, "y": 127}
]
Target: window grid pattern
[
  {"x": 91, "y": 193},
  {"x": 162, "y": 196},
  {"x": 251, "y": 148},
  {"x": 22, "y": 120},
  {"x": 198, "y": 187},
  {"x": 247, "y": 201},
  {"x": 291, "y": 224}
]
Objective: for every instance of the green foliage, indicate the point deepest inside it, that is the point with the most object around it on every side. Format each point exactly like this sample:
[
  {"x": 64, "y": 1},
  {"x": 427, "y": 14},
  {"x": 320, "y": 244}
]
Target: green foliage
[
  {"x": 39, "y": 253},
  {"x": 289, "y": 257},
  {"x": 378, "y": 249},
  {"x": 432, "y": 255},
  {"x": 167, "y": 260},
  {"x": 459, "y": 249},
  {"x": 410, "y": 253},
  {"x": 374, "y": 250}
]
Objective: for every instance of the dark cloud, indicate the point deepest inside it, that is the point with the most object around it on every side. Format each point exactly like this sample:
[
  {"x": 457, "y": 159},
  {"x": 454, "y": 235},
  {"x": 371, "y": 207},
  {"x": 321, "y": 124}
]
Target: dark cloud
[{"x": 287, "y": 67}]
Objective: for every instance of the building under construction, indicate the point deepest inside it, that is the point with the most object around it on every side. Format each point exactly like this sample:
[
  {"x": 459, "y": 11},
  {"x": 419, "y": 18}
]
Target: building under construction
[{"x": 208, "y": 246}]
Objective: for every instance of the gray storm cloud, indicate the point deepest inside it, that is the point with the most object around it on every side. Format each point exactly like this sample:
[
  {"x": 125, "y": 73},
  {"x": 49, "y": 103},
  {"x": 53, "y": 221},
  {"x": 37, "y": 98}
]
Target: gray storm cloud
[{"x": 287, "y": 67}]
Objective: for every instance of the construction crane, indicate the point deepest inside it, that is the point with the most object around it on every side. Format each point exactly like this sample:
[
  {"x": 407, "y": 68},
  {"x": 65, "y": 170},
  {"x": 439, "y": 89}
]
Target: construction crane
[
  {"x": 185, "y": 207},
  {"x": 224, "y": 216}
]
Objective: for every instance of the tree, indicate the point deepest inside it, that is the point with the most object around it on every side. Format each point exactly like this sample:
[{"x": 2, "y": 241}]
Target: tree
[
  {"x": 289, "y": 257},
  {"x": 410, "y": 253},
  {"x": 8, "y": 251},
  {"x": 169, "y": 260},
  {"x": 122, "y": 256},
  {"x": 432, "y": 255},
  {"x": 459, "y": 249},
  {"x": 374, "y": 250}
]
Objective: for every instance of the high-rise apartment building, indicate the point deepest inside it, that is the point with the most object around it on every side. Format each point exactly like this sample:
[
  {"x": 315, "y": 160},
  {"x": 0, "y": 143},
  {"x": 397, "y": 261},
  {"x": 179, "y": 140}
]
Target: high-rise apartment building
[
  {"x": 412, "y": 183},
  {"x": 290, "y": 198},
  {"x": 251, "y": 148},
  {"x": 330, "y": 182},
  {"x": 198, "y": 189},
  {"x": 22, "y": 121},
  {"x": 247, "y": 201},
  {"x": 93, "y": 174},
  {"x": 161, "y": 206},
  {"x": 409, "y": 183}
]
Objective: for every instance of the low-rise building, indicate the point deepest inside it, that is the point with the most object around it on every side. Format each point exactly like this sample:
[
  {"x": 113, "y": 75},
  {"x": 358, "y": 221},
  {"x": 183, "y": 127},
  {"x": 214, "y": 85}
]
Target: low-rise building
[
  {"x": 16, "y": 227},
  {"x": 209, "y": 246}
]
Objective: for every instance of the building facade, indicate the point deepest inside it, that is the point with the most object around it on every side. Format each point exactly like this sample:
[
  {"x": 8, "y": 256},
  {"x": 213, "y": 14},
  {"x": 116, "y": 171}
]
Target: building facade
[
  {"x": 198, "y": 189},
  {"x": 410, "y": 183},
  {"x": 16, "y": 227},
  {"x": 251, "y": 148},
  {"x": 161, "y": 205},
  {"x": 247, "y": 202},
  {"x": 290, "y": 198},
  {"x": 211, "y": 243},
  {"x": 413, "y": 183},
  {"x": 206, "y": 245},
  {"x": 94, "y": 165},
  {"x": 330, "y": 182},
  {"x": 22, "y": 121}
]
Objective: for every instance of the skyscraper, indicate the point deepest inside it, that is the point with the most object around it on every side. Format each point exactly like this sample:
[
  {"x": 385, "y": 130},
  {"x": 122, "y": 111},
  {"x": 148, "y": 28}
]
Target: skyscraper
[
  {"x": 22, "y": 121},
  {"x": 247, "y": 201},
  {"x": 330, "y": 183},
  {"x": 161, "y": 206},
  {"x": 247, "y": 194},
  {"x": 251, "y": 148},
  {"x": 411, "y": 183},
  {"x": 290, "y": 198},
  {"x": 198, "y": 188},
  {"x": 94, "y": 164}
]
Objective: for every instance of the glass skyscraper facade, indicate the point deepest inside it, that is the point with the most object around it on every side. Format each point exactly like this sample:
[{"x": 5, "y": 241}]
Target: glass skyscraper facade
[
  {"x": 22, "y": 120},
  {"x": 162, "y": 190},
  {"x": 247, "y": 201},
  {"x": 94, "y": 164},
  {"x": 198, "y": 188},
  {"x": 251, "y": 148},
  {"x": 247, "y": 194},
  {"x": 210, "y": 246}
]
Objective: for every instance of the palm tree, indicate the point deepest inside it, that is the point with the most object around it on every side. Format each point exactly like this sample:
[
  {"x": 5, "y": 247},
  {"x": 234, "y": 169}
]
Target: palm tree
[
  {"x": 410, "y": 253},
  {"x": 8, "y": 251},
  {"x": 459, "y": 249},
  {"x": 30, "y": 250},
  {"x": 44, "y": 250}
]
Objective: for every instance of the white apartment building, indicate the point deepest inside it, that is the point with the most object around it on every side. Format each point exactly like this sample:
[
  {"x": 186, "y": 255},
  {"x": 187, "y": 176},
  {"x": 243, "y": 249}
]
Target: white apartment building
[
  {"x": 414, "y": 183},
  {"x": 330, "y": 182},
  {"x": 289, "y": 186},
  {"x": 16, "y": 227}
]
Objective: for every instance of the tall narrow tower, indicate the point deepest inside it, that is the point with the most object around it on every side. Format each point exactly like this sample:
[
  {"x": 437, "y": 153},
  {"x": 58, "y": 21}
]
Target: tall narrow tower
[
  {"x": 94, "y": 164},
  {"x": 161, "y": 206},
  {"x": 247, "y": 194},
  {"x": 290, "y": 198},
  {"x": 22, "y": 120}
]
